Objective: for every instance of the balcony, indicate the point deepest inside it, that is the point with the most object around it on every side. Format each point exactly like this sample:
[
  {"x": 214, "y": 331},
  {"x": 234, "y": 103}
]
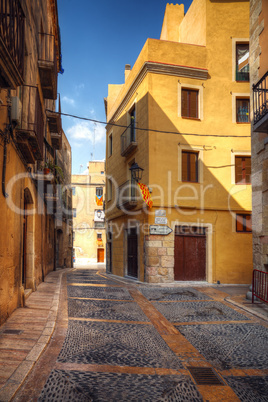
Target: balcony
[
  {"x": 242, "y": 76},
  {"x": 55, "y": 128},
  {"x": 47, "y": 63},
  {"x": 12, "y": 43},
  {"x": 30, "y": 130},
  {"x": 128, "y": 140},
  {"x": 260, "y": 105},
  {"x": 127, "y": 195}
]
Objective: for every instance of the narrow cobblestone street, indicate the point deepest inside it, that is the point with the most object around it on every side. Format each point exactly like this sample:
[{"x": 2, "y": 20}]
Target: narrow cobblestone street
[{"x": 125, "y": 341}]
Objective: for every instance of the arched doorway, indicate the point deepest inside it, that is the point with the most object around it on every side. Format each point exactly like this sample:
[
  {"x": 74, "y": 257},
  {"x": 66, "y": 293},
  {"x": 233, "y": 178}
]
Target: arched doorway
[{"x": 27, "y": 272}]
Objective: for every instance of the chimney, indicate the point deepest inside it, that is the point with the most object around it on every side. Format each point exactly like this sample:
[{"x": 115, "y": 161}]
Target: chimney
[{"x": 127, "y": 70}]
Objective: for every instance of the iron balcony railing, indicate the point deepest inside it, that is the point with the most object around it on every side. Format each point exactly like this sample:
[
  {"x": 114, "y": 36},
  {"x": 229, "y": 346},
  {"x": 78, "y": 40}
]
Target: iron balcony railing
[
  {"x": 128, "y": 139},
  {"x": 12, "y": 31},
  {"x": 260, "y": 285},
  {"x": 127, "y": 194},
  {"x": 260, "y": 98},
  {"x": 32, "y": 120},
  {"x": 242, "y": 75}
]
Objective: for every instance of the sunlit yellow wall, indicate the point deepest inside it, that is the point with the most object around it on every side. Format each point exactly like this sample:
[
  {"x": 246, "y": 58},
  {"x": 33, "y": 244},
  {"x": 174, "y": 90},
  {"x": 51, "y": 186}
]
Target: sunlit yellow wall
[
  {"x": 215, "y": 200},
  {"x": 84, "y": 201}
]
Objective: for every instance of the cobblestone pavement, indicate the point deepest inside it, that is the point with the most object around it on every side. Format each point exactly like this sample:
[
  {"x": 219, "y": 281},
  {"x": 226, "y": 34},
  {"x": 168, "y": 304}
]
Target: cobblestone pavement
[{"x": 117, "y": 341}]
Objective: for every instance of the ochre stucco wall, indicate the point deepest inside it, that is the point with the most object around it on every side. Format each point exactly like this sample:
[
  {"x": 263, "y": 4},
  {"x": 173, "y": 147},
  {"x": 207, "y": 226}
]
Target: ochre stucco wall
[{"x": 215, "y": 200}]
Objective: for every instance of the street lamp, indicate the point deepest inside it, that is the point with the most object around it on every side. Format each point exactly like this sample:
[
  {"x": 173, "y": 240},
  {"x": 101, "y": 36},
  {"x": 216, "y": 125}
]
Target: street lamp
[{"x": 136, "y": 172}]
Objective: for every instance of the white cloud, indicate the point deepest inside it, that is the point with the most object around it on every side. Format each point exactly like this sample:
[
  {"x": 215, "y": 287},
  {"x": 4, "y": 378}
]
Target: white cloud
[
  {"x": 85, "y": 130},
  {"x": 69, "y": 101},
  {"x": 78, "y": 88}
]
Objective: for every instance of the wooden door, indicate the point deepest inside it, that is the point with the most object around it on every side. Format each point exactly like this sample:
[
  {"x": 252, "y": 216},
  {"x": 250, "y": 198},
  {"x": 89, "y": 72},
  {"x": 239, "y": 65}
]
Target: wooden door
[
  {"x": 190, "y": 257},
  {"x": 132, "y": 253},
  {"x": 100, "y": 255}
]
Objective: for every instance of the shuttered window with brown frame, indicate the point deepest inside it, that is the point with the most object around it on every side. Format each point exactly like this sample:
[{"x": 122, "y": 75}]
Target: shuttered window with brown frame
[
  {"x": 189, "y": 166},
  {"x": 244, "y": 223},
  {"x": 242, "y": 169},
  {"x": 189, "y": 103}
]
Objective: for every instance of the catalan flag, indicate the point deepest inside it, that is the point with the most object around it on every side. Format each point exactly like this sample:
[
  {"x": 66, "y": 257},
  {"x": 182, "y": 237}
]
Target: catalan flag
[
  {"x": 145, "y": 194},
  {"x": 99, "y": 200}
]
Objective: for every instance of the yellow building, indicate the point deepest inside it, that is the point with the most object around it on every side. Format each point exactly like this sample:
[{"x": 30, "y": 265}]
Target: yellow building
[
  {"x": 184, "y": 117},
  {"x": 259, "y": 81},
  {"x": 88, "y": 215},
  {"x": 31, "y": 209}
]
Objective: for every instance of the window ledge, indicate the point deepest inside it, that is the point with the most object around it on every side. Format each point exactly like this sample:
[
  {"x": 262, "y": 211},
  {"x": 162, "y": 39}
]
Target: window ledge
[
  {"x": 191, "y": 118},
  {"x": 193, "y": 182}
]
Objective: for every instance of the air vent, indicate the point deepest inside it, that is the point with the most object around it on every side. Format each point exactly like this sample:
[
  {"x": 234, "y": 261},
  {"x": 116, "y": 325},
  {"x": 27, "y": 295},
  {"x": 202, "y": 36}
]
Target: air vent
[{"x": 205, "y": 376}]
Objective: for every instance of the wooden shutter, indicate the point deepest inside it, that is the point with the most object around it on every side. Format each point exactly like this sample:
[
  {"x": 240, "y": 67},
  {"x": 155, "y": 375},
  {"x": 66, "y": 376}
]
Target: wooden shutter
[
  {"x": 184, "y": 109},
  {"x": 189, "y": 103},
  {"x": 239, "y": 223},
  {"x": 193, "y": 104},
  {"x": 243, "y": 169},
  {"x": 190, "y": 166},
  {"x": 193, "y": 166},
  {"x": 248, "y": 223},
  {"x": 184, "y": 164},
  {"x": 238, "y": 169},
  {"x": 243, "y": 223},
  {"x": 248, "y": 169}
]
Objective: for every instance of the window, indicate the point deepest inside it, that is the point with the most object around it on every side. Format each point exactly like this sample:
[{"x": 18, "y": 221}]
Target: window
[
  {"x": 132, "y": 125},
  {"x": 189, "y": 103},
  {"x": 73, "y": 190},
  {"x": 242, "y": 62},
  {"x": 242, "y": 169},
  {"x": 74, "y": 212},
  {"x": 189, "y": 166},
  {"x": 110, "y": 145},
  {"x": 109, "y": 190},
  {"x": 99, "y": 236},
  {"x": 99, "y": 191},
  {"x": 242, "y": 110},
  {"x": 243, "y": 223}
]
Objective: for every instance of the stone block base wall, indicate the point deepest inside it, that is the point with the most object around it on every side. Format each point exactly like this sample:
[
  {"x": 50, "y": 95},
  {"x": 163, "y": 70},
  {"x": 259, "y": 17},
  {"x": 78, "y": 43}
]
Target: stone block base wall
[{"x": 159, "y": 258}]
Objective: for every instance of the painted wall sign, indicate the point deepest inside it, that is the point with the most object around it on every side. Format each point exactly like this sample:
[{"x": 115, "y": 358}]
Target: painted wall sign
[
  {"x": 160, "y": 230},
  {"x": 160, "y": 220}
]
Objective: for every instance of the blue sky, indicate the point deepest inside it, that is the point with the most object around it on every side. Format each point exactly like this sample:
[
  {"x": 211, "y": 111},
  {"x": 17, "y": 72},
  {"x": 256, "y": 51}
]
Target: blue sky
[{"x": 97, "y": 39}]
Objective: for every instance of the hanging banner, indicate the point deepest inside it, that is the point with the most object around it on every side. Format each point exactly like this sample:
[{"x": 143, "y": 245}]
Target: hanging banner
[
  {"x": 145, "y": 194},
  {"x": 99, "y": 200}
]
